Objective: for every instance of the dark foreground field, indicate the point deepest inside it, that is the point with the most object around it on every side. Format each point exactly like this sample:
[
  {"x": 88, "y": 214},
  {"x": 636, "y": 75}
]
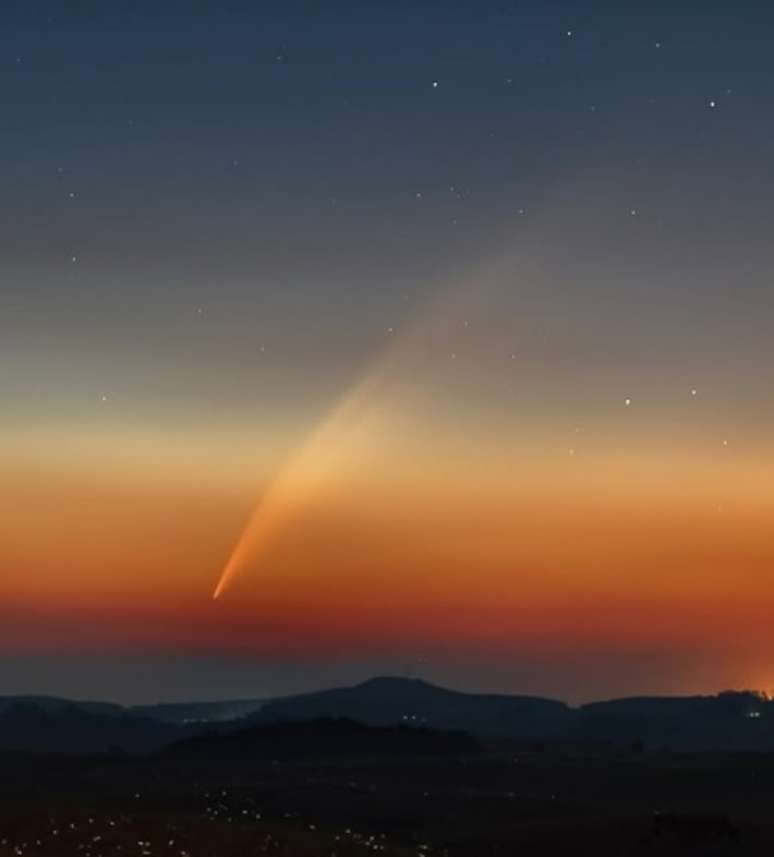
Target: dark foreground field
[{"x": 530, "y": 802}]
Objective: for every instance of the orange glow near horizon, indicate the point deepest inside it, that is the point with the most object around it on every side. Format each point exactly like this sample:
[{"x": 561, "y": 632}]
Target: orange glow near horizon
[
  {"x": 420, "y": 515},
  {"x": 590, "y": 550}
]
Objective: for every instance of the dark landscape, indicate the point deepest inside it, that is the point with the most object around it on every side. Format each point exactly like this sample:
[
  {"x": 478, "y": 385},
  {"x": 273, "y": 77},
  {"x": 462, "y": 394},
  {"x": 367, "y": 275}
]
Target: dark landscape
[{"x": 395, "y": 766}]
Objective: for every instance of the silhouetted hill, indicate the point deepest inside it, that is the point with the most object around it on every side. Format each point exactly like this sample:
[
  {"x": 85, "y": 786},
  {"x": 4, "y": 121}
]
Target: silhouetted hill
[
  {"x": 321, "y": 738},
  {"x": 55, "y": 703},
  {"x": 199, "y": 712},
  {"x": 729, "y": 721},
  {"x": 26, "y": 727},
  {"x": 389, "y": 701},
  {"x": 169, "y": 712}
]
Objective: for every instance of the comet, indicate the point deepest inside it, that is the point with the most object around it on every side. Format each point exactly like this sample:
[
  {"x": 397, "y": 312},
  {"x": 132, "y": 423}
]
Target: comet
[
  {"x": 304, "y": 475},
  {"x": 354, "y": 419}
]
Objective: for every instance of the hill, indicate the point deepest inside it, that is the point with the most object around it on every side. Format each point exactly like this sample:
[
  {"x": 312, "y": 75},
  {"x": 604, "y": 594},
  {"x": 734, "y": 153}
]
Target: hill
[
  {"x": 389, "y": 701},
  {"x": 56, "y": 703},
  {"x": 729, "y": 721},
  {"x": 70, "y": 730},
  {"x": 219, "y": 711}
]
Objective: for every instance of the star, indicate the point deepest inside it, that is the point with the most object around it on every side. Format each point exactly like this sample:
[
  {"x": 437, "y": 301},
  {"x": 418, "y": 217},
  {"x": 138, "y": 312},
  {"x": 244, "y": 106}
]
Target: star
[
  {"x": 627, "y": 402},
  {"x": 435, "y": 84},
  {"x": 713, "y": 104}
]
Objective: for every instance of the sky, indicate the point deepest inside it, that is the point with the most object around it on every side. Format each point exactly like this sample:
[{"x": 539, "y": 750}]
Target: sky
[{"x": 433, "y": 339}]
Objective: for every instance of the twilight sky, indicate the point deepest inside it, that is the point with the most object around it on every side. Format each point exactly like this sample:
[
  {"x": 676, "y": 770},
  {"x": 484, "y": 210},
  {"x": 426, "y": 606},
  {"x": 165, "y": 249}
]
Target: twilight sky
[{"x": 444, "y": 328}]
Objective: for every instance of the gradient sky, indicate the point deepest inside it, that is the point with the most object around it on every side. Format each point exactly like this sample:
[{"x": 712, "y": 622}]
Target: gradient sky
[{"x": 468, "y": 306}]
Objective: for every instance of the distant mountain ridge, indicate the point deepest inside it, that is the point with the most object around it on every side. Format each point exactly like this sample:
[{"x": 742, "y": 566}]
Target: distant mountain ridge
[
  {"x": 199, "y": 712},
  {"x": 71, "y": 730},
  {"x": 384, "y": 701},
  {"x": 168, "y": 712},
  {"x": 733, "y": 720},
  {"x": 728, "y": 721},
  {"x": 56, "y": 703}
]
